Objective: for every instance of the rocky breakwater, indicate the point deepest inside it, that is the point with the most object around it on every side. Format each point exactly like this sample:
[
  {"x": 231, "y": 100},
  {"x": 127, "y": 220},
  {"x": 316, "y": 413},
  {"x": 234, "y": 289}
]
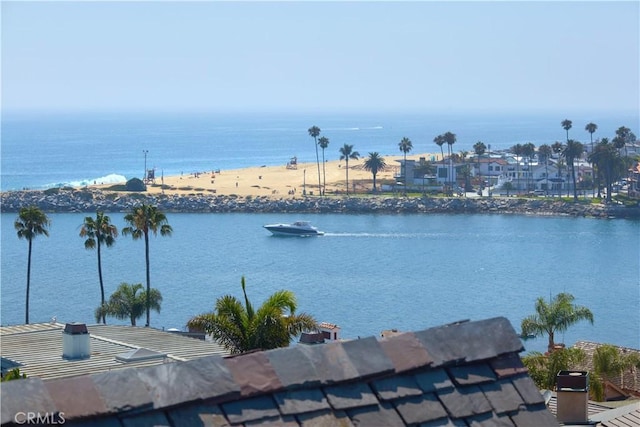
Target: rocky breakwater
[{"x": 92, "y": 200}]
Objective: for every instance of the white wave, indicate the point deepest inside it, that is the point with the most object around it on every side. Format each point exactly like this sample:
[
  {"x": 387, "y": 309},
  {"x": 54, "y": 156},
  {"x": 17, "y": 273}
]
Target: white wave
[{"x": 107, "y": 179}]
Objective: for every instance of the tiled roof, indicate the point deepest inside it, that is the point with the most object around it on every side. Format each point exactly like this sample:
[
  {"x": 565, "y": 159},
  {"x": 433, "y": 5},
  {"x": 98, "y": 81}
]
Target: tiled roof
[
  {"x": 631, "y": 377},
  {"x": 465, "y": 374},
  {"x": 38, "y": 349}
]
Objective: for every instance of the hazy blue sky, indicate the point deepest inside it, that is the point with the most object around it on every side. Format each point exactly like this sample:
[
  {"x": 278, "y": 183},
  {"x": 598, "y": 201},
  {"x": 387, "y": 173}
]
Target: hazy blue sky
[{"x": 313, "y": 56}]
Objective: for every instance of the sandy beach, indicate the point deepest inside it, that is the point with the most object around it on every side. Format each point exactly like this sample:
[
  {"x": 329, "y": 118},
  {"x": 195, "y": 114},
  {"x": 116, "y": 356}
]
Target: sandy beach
[{"x": 280, "y": 181}]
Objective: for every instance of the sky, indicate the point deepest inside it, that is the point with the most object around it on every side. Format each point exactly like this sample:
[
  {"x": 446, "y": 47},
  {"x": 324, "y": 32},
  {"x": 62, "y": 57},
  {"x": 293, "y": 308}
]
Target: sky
[{"x": 320, "y": 56}]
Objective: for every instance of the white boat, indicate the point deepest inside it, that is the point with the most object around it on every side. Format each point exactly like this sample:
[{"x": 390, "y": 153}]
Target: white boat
[{"x": 298, "y": 228}]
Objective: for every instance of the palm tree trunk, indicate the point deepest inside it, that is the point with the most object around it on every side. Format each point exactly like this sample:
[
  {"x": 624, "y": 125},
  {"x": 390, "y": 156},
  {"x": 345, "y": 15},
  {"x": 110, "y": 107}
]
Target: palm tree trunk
[
  {"x": 148, "y": 302},
  {"x": 347, "y": 171},
  {"x": 318, "y": 163},
  {"x": 104, "y": 318},
  {"x": 324, "y": 174},
  {"x": 26, "y": 317}
]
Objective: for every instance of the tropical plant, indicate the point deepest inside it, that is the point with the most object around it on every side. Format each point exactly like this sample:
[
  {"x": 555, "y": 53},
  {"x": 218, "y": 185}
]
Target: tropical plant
[
  {"x": 450, "y": 139},
  {"x": 609, "y": 362},
  {"x": 143, "y": 220},
  {"x": 528, "y": 152},
  {"x": 517, "y": 152},
  {"x": 623, "y": 137},
  {"x": 439, "y": 140},
  {"x": 242, "y": 328},
  {"x": 314, "y": 131},
  {"x": 543, "y": 368},
  {"x": 572, "y": 151},
  {"x": 31, "y": 223},
  {"x": 346, "y": 153},
  {"x": 557, "y": 315},
  {"x": 127, "y": 304},
  {"x": 405, "y": 145},
  {"x": 374, "y": 164},
  {"x": 323, "y": 142},
  {"x": 13, "y": 374},
  {"x": 479, "y": 148},
  {"x": 558, "y": 149},
  {"x": 566, "y": 125},
  {"x": 592, "y": 128},
  {"x": 99, "y": 231},
  {"x": 610, "y": 165}
]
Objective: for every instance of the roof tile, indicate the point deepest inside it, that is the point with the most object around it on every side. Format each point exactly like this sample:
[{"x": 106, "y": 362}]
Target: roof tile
[
  {"x": 367, "y": 356},
  {"x": 353, "y": 395},
  {"x": 253, "y": 373},
  {"x": 325, "y": 418},
  {"x": 252, "y": 409},
  {"x": 464, "y": 402},
  {"x": 528, "y": 390},
  {"x": 23, "y": 396},
  {"x": 331, "y": 362},
  {"x": 146, "y": 419},
  {"x": 285, "y": 421},
  {"x": 444, "y": 422},
  {"x": 490, "y": 420},
  {"x": 508, "y": 365},
  {"x": 434, "y": 380},
  {"x": 472, "y": 374},
  {"x": 405, "y": 352},
  {"x": 293, "y": 367},
  {"x": 420, "y": 409},
  {"x": 110, "y": 421},
  {"x": 65, "y": 394},
  {"x": 534, "y": 416},
  {"x": 199, "y": 415},
  {"x": 122, "y": 390},
  {"x": 301, "y": 401},
  {"x": 378, "y": 415},
  {"x": 503, "y": 396},
  {"x": 396, "y": 387}
]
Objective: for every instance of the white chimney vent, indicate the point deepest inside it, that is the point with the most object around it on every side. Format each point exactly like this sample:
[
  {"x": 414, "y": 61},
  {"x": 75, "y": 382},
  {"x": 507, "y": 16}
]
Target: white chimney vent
[{"x": 75, "y": 341}]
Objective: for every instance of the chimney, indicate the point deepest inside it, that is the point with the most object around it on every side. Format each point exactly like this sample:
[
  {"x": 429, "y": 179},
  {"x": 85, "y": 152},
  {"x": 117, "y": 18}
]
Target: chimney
[
  {"x": 330, "y": 331},
  {"x": 572, "y": 397},
  {"x": 75, "y": 341}
]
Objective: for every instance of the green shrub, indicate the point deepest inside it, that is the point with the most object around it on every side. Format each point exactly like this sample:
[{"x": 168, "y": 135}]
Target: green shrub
[{"x": 135, "y": 184}]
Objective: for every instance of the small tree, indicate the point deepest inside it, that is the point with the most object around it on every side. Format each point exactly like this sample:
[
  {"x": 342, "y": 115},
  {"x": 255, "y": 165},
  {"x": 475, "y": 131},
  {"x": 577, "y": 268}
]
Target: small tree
[{"x": 127, "y": 302}]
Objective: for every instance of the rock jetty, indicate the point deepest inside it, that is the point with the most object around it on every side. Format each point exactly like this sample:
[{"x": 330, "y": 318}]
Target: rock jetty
[{"x": 92, "y": 200}]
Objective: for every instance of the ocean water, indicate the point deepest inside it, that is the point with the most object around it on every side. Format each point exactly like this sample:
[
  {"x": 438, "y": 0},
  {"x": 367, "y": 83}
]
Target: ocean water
[
  {"x": 55, "y": 149},
  {"x": 367, "y": 274}
]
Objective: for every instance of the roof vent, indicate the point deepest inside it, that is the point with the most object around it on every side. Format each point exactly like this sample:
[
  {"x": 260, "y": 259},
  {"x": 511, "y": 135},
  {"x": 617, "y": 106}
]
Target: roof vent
[
  {"x": 76, "y": 341},
  {"x": 139, "y": 354}
]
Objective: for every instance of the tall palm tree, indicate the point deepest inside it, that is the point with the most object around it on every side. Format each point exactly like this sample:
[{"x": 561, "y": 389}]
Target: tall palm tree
[
  {"x": 99, "y": 231},
  {"x": 374, "y": 164},
  {"x": 242, "y": 328},
  {"x": 555, "y": 316},
  {"x": 405, "y": 145},
  {"x": 479, "y": 148},
  {"x": 566, "y": 125},
  {"x": 346, "y": 153},
  {"x": 528, "y": 151},
  {"x": 558, "y": 149},
  {"x": 623, "y": 136},
  {"x": 127, "y": 303},
  {"x": 609, "y": 163},
  {"x": 608, "y": 361},
  {"x": 544, "y": 154},
  {"x": 592, "y": 128},
  {"x": 450, "y": 139},
  {"x": 439, "y": 140},
  {"x": 314, "y": 131},
  {"x": 31, "y": 223},
  {"x": 573, "y": 151},
  {"x": 142, "y": 220},
  {"x": 323, "y": 142}
]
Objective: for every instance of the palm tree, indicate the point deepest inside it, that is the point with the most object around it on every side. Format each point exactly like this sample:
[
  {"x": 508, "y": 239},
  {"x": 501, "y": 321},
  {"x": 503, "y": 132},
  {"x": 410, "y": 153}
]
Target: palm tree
[
  {"x": 450, "y": 139},
  {"x": 608, "y": 361},
  {"x": 346, "y": 153},
  {"x": 31, "y": 223},
  {"x": 99, "y": 231},
  {"x": 558, "y": 148},
  {"x": 544, "y": 154},
  {"x": 592, "y": 128},
  {"x": 573, "y": 151},
  {"x": 405, "y": 146},
  {"x": 566, "y": 125},
  {"x": 314, "y": 131},
  {"x": 374, "y": 164},
  {"x": 242, "y": 328},
  {"x": 543, "y": 368},
  {"x": 323, "y": 142},
  {"x": 142, "y": 220},
  {"x": 609, "y": 163},
  {"x": 479, "y": 148},
  {"x": 127, "y": 303},
  {"x": 439, "y": 140},
  {"x": 555, "y": 316}
]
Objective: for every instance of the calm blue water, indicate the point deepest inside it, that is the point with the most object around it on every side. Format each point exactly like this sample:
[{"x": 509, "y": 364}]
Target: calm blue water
[
  {"x": 40, "y": 151},
  {"x": 367, "y": 274}
]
